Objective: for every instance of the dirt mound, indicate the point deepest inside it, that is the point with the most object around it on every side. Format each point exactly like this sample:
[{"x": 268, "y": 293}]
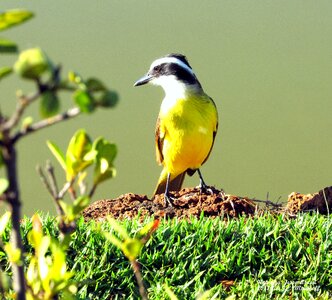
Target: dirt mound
[
  {"x": 320, "y": 201},
  {"x": 191, "y": 202},
  {"x": 187, "y": 202}
]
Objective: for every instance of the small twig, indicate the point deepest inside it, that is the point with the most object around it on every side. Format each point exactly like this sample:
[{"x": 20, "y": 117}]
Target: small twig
[
  {"x": 65, "y": 189},
  {"x": 326, "y": 203},
  {"x": 49, "y": 188},
  {"x": 70, "y": 113},
  {"x": 44, "y": 180},
  {"x": 232, "y": 204},
  {"x": 72, "y": 193},
  {"x": 25, "y": 100},
  {"x": 52, "y": 178},
  {"x": 92, "y": 191},
  {"x": 23, "y": 103},
  {"x": 81, "y": 184},
  {"x": 139, "y": 279},
  {"x": 268, "y": 202}
]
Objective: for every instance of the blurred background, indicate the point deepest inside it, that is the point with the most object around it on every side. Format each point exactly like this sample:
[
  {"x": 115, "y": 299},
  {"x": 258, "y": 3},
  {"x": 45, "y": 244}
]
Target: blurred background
[{"x": 267, "y": 65}]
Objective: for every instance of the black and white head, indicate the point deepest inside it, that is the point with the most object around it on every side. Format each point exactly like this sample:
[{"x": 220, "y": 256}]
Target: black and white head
[{"x": 173, "y": 73}]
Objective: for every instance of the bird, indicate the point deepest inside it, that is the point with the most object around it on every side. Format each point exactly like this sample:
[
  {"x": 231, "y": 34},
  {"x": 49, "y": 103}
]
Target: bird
[{"x": 186, "y": 126}]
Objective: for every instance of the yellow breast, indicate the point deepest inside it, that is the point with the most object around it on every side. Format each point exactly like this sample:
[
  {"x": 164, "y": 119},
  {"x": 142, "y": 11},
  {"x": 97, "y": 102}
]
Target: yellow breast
[{"x": 187, "y": 126}]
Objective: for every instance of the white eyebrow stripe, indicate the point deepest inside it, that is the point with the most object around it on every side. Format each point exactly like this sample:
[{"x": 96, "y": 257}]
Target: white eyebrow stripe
[{"x": 165, "y": 60}]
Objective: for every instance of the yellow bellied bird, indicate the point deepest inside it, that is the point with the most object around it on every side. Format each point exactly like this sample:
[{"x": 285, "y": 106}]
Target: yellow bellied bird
[{"x": 187, "y": 123}]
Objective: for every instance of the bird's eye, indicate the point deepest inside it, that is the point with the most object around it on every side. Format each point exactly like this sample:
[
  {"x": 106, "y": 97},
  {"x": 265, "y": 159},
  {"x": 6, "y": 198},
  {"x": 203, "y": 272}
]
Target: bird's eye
[{"x": 157, "y": 68}]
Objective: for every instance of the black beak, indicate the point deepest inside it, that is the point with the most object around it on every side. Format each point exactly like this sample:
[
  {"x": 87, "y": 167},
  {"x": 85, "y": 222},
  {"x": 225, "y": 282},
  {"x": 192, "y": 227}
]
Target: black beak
[{"x": 145, "y": 79}]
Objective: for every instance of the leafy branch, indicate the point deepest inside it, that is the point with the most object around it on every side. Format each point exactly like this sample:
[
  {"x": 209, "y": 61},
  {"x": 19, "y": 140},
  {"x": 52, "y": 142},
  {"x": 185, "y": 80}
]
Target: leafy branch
[
  {"x": 132, "y": 247},
  {"x": 81, "y": 154},
  {"x": 35, "y": 66}
]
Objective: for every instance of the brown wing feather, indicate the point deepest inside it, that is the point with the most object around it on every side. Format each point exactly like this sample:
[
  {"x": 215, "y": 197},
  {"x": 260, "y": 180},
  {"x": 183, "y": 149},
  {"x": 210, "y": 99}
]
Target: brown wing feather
[
  {"x": 176, "y": 183},
  {"x": 214, "y": 137},
  {"x": 159, "y": 136},
  {"x": 214, "y": 132}
]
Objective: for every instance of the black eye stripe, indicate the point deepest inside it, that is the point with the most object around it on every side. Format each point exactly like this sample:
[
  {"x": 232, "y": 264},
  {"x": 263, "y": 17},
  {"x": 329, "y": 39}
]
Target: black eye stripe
[
  {"x": 174, "y": 69},
  {"x": 169, "y": 69},
  {"x": 181, "y": 74}
]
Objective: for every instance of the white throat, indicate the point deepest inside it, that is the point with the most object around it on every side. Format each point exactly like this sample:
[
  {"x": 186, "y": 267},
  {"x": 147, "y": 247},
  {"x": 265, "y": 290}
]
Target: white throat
[{"x": 174, "y": 89}]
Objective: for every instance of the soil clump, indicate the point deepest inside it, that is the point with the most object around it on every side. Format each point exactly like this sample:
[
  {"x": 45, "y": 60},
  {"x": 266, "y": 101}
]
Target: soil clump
[{"x": 214, "y": 203}]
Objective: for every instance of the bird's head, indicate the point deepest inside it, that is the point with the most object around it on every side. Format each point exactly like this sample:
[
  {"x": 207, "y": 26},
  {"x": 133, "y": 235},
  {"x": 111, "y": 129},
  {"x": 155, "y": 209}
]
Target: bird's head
[{"x": 171, "y": 72}]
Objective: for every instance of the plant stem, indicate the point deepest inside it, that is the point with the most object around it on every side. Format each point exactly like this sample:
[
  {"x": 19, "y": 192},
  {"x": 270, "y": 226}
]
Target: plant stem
[
  {"x": 92, "y": 190},
  {"x": 23, "y": 103},
  {"x": 70, "y": 113},
  {"x": 139, "y": 279},
  {"x": 13, "y": 198},
  {"x": 52, "y": 189}
]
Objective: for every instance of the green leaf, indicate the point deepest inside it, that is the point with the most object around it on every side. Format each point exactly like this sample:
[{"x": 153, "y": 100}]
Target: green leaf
[
  {"x": 26, "y": 122},
  {"x": 113, "y": 239},
  {"x": 84, "y": 101},
  {"x": 59, "y": 263},
  {"x": 32, "y": 63},
  {"x": 79, "y": 204},
  {"x": 79, "y": 145},
  {"x": 132, "y": 248},
  {"x": 13, "y": 254},
  {"x": 4, "y": 221},
  {"x": 148, "y": 229},
  {"x": 5, "y": 71},
  {"x": 106, "y": 153},
  {"x": 4, "y": 183},
  {"x": 108, "y": 99},
  {"x": 49, "y": 105},
  {"x": 118, "y": 228},
  {"x": 91, "y": 155},
  {"x": 14, "y": 17},
  {"x": 7, "y": 46},
  {"x": 95, "y": 85},
  {"x": 5, "y": 281},
  {"x": 67, "y": 209},
  {"x": 169, "y": 292},
  {"x": 75, "y": 78},
  {"x": 105, "y": 149},
  {"x": 57, "y": 153},
  {"x": 207, "y": 295}
]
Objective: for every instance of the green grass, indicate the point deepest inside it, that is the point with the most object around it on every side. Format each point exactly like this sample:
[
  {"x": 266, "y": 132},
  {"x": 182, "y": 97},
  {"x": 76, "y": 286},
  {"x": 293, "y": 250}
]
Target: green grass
[{"x": 268, "y": 257}]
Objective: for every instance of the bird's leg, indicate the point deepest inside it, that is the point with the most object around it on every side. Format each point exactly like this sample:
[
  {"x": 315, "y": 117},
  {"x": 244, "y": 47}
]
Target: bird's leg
[
  {"x": 166, "y": 195},
  {"x": 202, "y": 185}
]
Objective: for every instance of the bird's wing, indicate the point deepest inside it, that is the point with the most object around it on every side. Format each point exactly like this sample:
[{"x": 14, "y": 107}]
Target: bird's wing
[
  {"x": 160, "y": 135},
  {"x": 214, "y": 136},
  {"x": 214, "y": 133}
]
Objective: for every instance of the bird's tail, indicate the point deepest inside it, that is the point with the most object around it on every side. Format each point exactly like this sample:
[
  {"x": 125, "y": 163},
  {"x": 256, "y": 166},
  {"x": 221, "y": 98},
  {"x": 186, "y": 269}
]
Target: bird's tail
[{"x": 175, "y": 184}]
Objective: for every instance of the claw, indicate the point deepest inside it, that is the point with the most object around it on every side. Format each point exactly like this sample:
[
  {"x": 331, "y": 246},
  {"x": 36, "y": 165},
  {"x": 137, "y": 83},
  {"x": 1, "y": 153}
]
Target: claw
[
  {"x": 206, "y": 189},
  {"x": 203, "y": 186},
  {"x": 168, "y": 200},
  {"x": 167, "y": 197}
]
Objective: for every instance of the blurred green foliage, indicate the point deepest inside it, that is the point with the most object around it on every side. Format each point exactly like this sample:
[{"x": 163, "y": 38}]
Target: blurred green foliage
[{"x": 46, "y": 273}]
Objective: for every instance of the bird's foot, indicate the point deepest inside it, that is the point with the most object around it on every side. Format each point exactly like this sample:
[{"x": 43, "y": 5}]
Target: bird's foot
[
  {"x": 205, "y": 189},
  {"x": 168, "y": 200}
]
